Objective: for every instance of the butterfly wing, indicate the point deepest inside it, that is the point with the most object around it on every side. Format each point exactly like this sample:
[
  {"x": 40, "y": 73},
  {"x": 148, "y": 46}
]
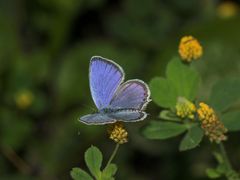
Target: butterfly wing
[
  {"x": 97, "y": 119},
  {"x": 133, "y": 94},
  {"x": 105, "y": 77},
  {"x": 128, "y": 115}
]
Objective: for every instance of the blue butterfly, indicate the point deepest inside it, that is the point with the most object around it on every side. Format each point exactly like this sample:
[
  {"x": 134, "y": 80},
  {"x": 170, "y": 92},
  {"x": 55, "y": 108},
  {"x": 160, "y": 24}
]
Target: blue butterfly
[{"x": 115, "y": 100}]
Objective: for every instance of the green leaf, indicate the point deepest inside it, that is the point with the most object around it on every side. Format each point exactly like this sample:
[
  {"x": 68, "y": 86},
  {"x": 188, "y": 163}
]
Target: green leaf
[
  {"x": 168, "y": 115},
  {"x": 192, "y": 138},
  {"x": 93, "y": 158},
  {"x": 213, "y": 173},
  {"x": 163, "y": 130},
  {"x": 225, "y": 93},
  {"x": 162, "y": 93},
  {"x": 232, "y": 175},
  {"x": 79, "y": 174},
  {"x": 183, "y": 78},
  {"x": 222, "y": 168},
  {"x": 231, "y": 120},
  {"x": 181, "y": 81},
  {"x": 109, "y": 171}
]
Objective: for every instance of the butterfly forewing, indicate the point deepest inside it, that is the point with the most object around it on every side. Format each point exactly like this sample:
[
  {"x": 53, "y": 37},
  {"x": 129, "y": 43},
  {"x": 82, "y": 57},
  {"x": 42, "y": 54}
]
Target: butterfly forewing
[
  {"x": 105, "y": 78},
  {"x": 133, "y": 94}
]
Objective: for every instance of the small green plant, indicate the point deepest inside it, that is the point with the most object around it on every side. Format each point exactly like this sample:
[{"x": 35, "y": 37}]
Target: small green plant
[
  {"x": 93, "y": 158},
  {"x": 183, "y": 112}
]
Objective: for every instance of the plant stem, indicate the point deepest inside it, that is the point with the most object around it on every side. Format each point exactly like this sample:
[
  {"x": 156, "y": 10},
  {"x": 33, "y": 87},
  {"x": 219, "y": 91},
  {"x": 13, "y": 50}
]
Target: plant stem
[
  {"x": 113, "y": 154},
  {"x": 230, "y": 173},
  {"x": 16, "y": 160},
  {"x": 225, "y": 156}
]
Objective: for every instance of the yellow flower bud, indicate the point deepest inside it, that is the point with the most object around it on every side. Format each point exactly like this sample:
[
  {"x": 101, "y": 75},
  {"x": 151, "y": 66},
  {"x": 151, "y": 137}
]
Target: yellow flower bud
[
  {"x": 227, "y": 10},
  {"x": 24, "y": 99},
  {"x": 185, "y": 108},
  {"x": 190, "y": 49},
  {"x": 118, "y": 133},
  {"x": 210, "y": 123}
]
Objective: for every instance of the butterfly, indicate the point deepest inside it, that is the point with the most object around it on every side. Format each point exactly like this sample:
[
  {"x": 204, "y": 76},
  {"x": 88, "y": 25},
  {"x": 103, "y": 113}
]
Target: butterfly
[{"x": 115, "y": 100}]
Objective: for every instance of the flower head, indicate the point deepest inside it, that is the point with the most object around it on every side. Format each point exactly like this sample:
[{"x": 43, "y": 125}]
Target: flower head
[
  {"x": 189, "y": 49},
  {"x": 227, "y": 9},
  {"x": 118, "y": 133},
  {"x": 185, "y": 108},
  {"x": 210, "y": 123},
  {"x": 24, "y": 99}
]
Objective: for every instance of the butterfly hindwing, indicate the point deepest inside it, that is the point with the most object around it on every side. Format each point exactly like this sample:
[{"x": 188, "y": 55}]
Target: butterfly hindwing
[
  {"x": 133, "y": 94},
  {"x": 128, "y": 115},
  {"x": 105, "y": 78},
  {"x": 97, "y": 119}
]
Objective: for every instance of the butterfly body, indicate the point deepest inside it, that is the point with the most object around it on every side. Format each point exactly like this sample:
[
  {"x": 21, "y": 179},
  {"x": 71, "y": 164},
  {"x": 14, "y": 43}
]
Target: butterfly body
[
  {"x": 116, "y": 101},
  {"x": 106, "y": 110}
]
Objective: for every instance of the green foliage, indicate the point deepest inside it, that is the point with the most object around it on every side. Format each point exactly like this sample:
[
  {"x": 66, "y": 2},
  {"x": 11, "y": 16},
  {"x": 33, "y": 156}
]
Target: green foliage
[
  {"x": 223, "y": 168},
  {"x": 163, "y": 130},
  {"x": 225, "y": 98},
  {"x": 231, "y": 120},
  {"x": 225, "y": 93},
  {"x": 162, "y": 92},
  {"x": 79, "y": 174},
  {"x": 213, "y": 173},
  {"x": 134, "y": 24},
  {"x": 15, "y": 130},
  {"x": 93, "y": 159},
  {"x": 109, "y": 172},
  {"x": 181, "y": 81},
  {"x": 192, "y": 138},
  {"x": 169, "y": 115}
]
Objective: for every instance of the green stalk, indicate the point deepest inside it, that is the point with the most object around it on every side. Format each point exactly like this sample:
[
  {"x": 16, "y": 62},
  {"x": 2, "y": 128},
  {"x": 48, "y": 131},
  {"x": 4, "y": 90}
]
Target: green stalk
[
  {"x": 110, "y": 159},
  {"x": 113, "y": 155},
  {"x": 225, "y": 156},
  {"x": 231, "y": 174}
]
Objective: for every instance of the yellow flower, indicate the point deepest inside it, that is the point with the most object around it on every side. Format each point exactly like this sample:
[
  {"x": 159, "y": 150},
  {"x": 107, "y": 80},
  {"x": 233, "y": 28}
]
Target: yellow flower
[
  {"x": 185, "y": 108},
  {"x": 210, "y": 123},
  {"x": 24, "y": 99},
  {"x": 227, "y": 9},
  {"x": 190, "y": 49},
  {"x": 118, "y": 133}
]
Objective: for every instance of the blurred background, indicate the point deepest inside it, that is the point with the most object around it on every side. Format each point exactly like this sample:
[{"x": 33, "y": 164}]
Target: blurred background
[{"x": 45, "y": 48}]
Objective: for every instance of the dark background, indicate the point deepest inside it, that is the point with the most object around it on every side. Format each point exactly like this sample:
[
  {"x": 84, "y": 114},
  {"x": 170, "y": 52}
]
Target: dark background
[{"x": 45, "y": 48}]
